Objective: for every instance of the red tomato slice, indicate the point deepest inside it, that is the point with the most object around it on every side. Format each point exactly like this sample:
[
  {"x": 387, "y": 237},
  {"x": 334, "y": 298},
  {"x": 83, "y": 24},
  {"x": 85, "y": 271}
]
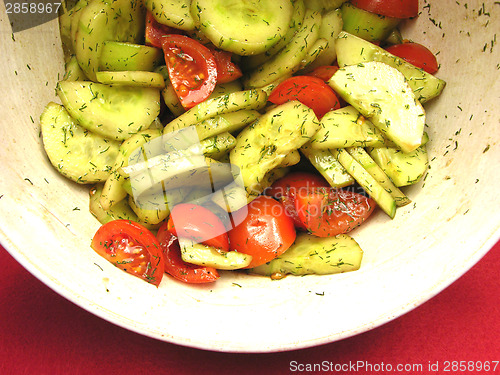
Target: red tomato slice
[
  {"x": 191, "y": 68},
  {"x": 176, "y": 267},
  {"x": 328, "y": 212},
  {"x": 389, "y": 8},
  {"x": 417, "y": 55},
  {"x": 155, "y": 31},
  {"x": 130, "y": 247},
  {"x": 264, "y": 230},
  {"x": 324, "y": 72},
  {"x": 227, "y": 71},
  {"x": 292, "y": 185},
  {"x": 188, "y": 220},
  {"x": 311, "y": 91}
]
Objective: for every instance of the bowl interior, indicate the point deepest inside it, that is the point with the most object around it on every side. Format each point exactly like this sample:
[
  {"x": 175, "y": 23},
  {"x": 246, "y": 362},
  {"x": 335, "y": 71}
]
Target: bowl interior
[{"x": 453, "y": 220}]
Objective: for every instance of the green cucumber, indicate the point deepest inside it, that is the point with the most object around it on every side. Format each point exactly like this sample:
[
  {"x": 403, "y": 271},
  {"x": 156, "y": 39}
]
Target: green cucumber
[
  {"x": 75, "y": 152},
  {"x": 376, "y": 191},
  {"x": 73, "y": 72},
  {"x": 378, "y": 174},
  {"x": 324, "y": 6},
  {"x": 327, "y": 164},
  {"x": 203, "y": 255},
  {"x": 217, "y": 145},
  {"x": 121, "y": 56},
  {"x": 402, "y": 168},
  {"x": 346, "y": 127},
  {"x": 367, "y": 25},
  {"x": 352, "y": 50},
  {"x": 229, "y": 122},
  {"x": 115, "y": 112},
  {"x": 132, "y": 78},
  {"x": 173, "y": 13},
  {"x": 243, "y": 27},
  {"x": 292, "y": 158},
  {"x": 65, "y": 15},
  {"x": 75, "y": 20},
  {"x": 313, "y": 53},
  {"x": 288, "y": 60},
  {"x": 104, "y": 20},
  {"x": 264, "y": 144},
  {"x": 315, "y": 255},
  {"x": 381, "y": 93}
]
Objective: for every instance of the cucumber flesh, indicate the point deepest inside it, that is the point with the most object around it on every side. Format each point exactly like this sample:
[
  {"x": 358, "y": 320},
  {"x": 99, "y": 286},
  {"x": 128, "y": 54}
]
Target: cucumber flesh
[
  {"x": 132, "y": 78},
  {"x": 121, "y": 56},
  {"x": 75, "y": 152},
  {"x": 174, "y": 14},
  {"x": 243, "y": 27},
  {"x": 208, "y": 256},
  {"x": 315, "y": 255},
  {"x": 115, "y": 112},
  {"x": 73, "y": 72}
]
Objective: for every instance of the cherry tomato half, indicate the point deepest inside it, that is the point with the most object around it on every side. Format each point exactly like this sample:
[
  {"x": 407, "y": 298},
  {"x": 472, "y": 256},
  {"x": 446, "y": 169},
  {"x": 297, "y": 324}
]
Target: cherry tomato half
[
  {"x": 311, "y": 91},
  {"x": 191, "y": 68},
  {"x": 199, "y": 224},
  {"x": 389, "y": 8},
  {"x": 227, "y": 71},
  {"x": 417, "y": 55},
  {"x": 324, "y": 72},
  {"x": 130, "y": 247},
  {"x": 155, "y": 31},
  {"x": 331, "y": 211},
  {"x": 264, "y": 231},
  {"x": 176, "y": 267},
  {"x": 287, "y": 188}
]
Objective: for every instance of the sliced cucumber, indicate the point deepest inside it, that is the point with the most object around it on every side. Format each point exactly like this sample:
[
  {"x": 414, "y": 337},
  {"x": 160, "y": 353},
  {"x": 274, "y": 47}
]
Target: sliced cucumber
[
  {"x": 384, "y": 199},
  {"x": 121, "y": 56},
  {"x": 316, "y": 50},
  {"x": 208, "y": 256},
  {"x": 75, "y": 152},
  {"x": 154, "y": 212},
  {"x": 217, "y": 145},
  {"x": 327, "y": 164},
  {"x": 402, "y": 168},
  {"x": 75, "y": 19},
  {"x": 382, "y": 94},
  {"x": 264, "y": 144},
  {"x": 315, "y": 255},
  {"x": 132, "y": 78},
  {"x": 173, "y": 13},
  {"x": 73, "y": 72},
  {"x": 292, "y": 158},
  {"x": 112, "y": 111},
  {"x": 65, "y": 16},
  {"x": 346, "y": 127},
  {"x": 352, "y": 50},
  {"x": 367, "y": 25},
  {"x": 324, "y": 6},
  {"x": 288, "y": 60},
  {"x": 104, "y": 20},
  {"x": 244, "y": 27}
]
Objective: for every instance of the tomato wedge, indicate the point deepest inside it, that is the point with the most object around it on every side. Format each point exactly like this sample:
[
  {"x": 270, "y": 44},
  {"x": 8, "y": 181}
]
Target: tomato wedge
[
  {"x": 324, "y": 72},
  {"x": 227, "y": 71},
  {"x": 292, "y": 185},
  {"x": 132, "y": 248},
  {"x": 311, "y": 91},
  {"x": 264, "y": 231},
  {"x": 176, "y": 267},
  {"x": 155, "y": 31},
  {"x": 192, "y": 68},
  {"x": 328, "y": 212},
  {"x": 389, "y": 8},
  {"x": 416, "y": 54},
  {"x": 198, "y": 223}
]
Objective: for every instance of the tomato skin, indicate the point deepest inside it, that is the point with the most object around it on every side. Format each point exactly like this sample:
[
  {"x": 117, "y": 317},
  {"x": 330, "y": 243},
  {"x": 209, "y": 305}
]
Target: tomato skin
[
  {"x": 155, "y": 31},
  {"x": 132, "y": 248},
  {"x": 188, "y": 220},
  {"x": 389, "y": 8},
  {"x": 311, "y": 91},
  {"x": 227, "y": 71},
  {"x": 329, "y": 212},
  {"x": 264, "y": 230},
  {"x": 192, "y": 68},
  {"x": 324, "y": 72},
  {"x": 295, "y": 184},
  {"x": 176, "y": 267},
  {"x": 416, "y": 54}
]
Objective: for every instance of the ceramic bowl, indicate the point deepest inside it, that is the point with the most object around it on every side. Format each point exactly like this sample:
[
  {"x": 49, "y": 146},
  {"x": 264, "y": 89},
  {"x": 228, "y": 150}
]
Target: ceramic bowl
[{"x": 454, "y": 218}]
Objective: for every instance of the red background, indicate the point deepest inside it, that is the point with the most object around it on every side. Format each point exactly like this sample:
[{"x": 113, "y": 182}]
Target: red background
[{"x": 43, "y": 333}]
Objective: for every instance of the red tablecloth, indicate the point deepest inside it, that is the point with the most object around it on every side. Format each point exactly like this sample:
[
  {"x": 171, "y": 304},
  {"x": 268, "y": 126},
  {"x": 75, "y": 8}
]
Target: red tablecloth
[{"x": 42, "y": 333}]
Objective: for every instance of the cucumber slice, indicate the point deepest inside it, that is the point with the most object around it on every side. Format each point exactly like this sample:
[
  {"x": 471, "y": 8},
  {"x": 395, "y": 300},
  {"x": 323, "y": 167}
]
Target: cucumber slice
[
  {"x": 208, "y": 256},
  {"x": 315, "y": 255},
  {"x": 73, "y": 72},
  {"x": 103, "y": 20},
  {"x": 352, "y": 50},
  {"x": 243, "y": 27},
  {"x": 132, "y": 78},
  {"x": 382, "y": 94},
  {"x": 316, "y": 50},
  {"x": 75, "y": 20},
  {"x": 324, "y": 6},
  {"x": 175, "y": 14},
  {"x": 120, "y": 56},
  {"x": 288, "y": 60},
  {"x": 76, "y": 153},
  {"x": 111, "y": 111},
  {"x": 154, "y": 213},
  {"x": 346, "y": 127},
  {"x": 367, "y": 25},
  {"x": 219, "y": 144},
  {"x": 327, "y": 164}
]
